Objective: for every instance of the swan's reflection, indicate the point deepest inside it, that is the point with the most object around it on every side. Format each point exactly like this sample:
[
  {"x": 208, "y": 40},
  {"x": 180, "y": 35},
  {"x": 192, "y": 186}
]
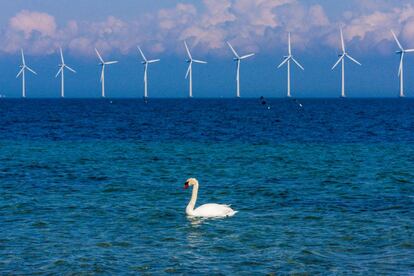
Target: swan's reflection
[
  {"x": 196, "y": 221},
  {"x": 195, "y": 237}
]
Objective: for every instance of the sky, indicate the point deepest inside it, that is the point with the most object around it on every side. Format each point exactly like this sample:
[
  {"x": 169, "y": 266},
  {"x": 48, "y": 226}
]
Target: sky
[{"x": 116, "y": 28}]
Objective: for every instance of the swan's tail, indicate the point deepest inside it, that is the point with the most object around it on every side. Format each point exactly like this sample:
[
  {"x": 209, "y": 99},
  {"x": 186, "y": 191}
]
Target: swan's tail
[{"x": 232, "y": 213}]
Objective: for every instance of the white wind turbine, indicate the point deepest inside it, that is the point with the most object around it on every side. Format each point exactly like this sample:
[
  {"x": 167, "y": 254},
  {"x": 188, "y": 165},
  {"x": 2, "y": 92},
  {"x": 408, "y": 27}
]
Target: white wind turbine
[
  {"x": 62, "y": 67},
  {"x": 287, "y": 60},
  {"x": 401, "y": 52},
  {"x": 22, "y": 72},
  {"x": 189, "y": 73},
  {"x": 342, "y": 60},
  {"x": 103, "y": 64},
  {"x": 146, "y": 62},
  {"x": 238, "y": 59}
]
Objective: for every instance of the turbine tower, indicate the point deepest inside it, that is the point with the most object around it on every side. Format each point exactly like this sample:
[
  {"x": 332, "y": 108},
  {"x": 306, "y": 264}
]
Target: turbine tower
[
  {"x": 62, "y": 67},
  {"x": 189, "y": 73},
  {"x": 288, "y": 59},
  {"x": 342, "y": 60},
  {"x": 22, "y": 72},
  {"x": 103, "y": 64},
  {"x": 145, "y": 62},
  {"x": 401, "y": 52},
  {"x": 238, "y": 59}
]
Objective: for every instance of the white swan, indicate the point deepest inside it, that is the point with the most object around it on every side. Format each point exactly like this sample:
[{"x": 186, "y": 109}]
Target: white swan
[{"x": 210, "y": 210}]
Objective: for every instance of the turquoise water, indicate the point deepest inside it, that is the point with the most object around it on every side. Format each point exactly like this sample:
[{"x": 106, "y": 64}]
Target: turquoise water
[{"x": 92, "y": 187}]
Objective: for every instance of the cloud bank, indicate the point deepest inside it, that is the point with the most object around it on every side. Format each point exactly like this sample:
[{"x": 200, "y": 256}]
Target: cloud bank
[{"x": 259, "y": 25}]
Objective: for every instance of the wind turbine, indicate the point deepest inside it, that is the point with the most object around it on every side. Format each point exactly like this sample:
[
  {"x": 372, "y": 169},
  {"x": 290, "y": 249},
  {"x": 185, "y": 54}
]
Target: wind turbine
[
  {"x": 189, "y": 73},
  {"x": 287, "y": 60},
  {"x": 238, "y": 59},
  {"x": 22, "y": 72},
  {"x": 401, "y": 52},
  {"x": 103, "y": 64},
  {"x": 62, "y": 67},
  {"x": 342, "y": 60},
  {"x": 146, "y": 62}
]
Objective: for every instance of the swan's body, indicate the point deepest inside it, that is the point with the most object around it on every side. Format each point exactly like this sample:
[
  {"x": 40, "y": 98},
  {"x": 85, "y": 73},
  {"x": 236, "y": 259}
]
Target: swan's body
[{"x": 210, "y": 210}]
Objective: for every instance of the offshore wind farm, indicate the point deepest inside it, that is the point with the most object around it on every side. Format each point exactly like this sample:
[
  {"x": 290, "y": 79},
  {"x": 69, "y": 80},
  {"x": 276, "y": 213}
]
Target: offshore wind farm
[
  {"x": 287, "y": 60},
  {"x": 186, "y": 137}
]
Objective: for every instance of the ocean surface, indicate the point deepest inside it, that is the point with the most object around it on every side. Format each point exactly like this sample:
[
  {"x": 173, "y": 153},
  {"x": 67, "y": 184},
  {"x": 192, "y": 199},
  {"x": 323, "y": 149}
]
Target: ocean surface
[{"x": 96, "y": 186}]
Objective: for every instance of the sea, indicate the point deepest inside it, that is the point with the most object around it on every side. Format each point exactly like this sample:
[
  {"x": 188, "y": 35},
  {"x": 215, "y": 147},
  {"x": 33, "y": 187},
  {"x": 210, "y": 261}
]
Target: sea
[{"x": 95, "y": 187}]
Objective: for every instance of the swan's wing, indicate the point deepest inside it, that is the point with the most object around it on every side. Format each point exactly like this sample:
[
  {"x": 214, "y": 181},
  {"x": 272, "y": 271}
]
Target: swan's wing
[{"x": 214, "y": 210}]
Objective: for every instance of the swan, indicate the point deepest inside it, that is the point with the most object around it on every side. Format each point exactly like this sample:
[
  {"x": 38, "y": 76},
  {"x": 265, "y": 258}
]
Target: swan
[{"x": 210, "y": 210}]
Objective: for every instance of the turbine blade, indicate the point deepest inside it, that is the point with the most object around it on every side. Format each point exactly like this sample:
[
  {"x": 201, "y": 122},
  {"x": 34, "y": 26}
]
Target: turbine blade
[
  {"x": 342, "y": 41},
  {"x": 153, "y": 60},
  {"x": 339, "y": 60},
  {"x": 188, "y": 70},
  {"x": 234, "y": 51},
  {"x": 145, "y": 72},
  {"x": 409, "y": 51},
  {"x": 23, "y": 60},
  {"x": 188, "y": 50},
  {"x": 99, "y": 56},
  {"x": 20, "y": 72},
  {"x": 61, "y": 56},
  {"x": 283, "y": 62},
  {"x": 31, "y": 70},
  {"x": 58, "y": 73},
  {"x": 247, "y": 56},
  {"x": 142, "y": 54},
  {"x": 70, "y": 69},
  {"x": 111, "y": 62},
  {"x": 401, "y": 64},
  {"x": 298, "y": 64},
  {"x": 396, "y": 40},
  {"x": 290, "y": 47},
  {"x": 199, "y": 61},
  {"x": 354, "y": 60}
]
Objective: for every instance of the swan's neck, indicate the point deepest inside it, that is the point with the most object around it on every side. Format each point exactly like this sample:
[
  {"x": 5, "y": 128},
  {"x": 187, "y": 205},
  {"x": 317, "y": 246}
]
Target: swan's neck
[{"x": 190, "y": 207}]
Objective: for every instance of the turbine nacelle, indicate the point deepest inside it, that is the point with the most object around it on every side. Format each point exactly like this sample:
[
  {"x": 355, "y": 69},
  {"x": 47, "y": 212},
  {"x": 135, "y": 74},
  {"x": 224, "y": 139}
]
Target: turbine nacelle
[
  {"x": 24, "y": 67},
  {"x": 190, "y": 60}
]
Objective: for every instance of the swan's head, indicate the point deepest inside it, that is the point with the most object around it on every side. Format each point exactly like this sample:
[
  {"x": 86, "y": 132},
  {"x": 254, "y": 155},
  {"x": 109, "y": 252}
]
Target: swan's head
[{"x": 190, "y": 182}]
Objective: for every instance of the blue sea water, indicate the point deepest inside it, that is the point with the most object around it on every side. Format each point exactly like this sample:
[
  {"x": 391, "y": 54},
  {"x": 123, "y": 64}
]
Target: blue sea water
[{"x": 96, "y": 186}]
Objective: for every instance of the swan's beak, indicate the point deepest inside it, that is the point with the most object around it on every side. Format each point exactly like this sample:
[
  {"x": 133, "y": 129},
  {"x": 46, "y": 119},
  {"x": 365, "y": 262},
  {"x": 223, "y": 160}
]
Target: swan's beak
[{"x": 186, "y": 185}]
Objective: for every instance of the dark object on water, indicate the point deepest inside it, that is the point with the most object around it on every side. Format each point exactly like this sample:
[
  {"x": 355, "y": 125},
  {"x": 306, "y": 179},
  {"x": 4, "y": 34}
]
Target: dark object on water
[
  {"x": 262, "y": 99},
  {"x": 297, "y": 102}
]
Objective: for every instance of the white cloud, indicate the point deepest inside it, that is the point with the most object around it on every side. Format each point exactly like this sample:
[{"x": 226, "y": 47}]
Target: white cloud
[
  {"x": 29, "y": 22},
  {"x": 259, "y": 25}
]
